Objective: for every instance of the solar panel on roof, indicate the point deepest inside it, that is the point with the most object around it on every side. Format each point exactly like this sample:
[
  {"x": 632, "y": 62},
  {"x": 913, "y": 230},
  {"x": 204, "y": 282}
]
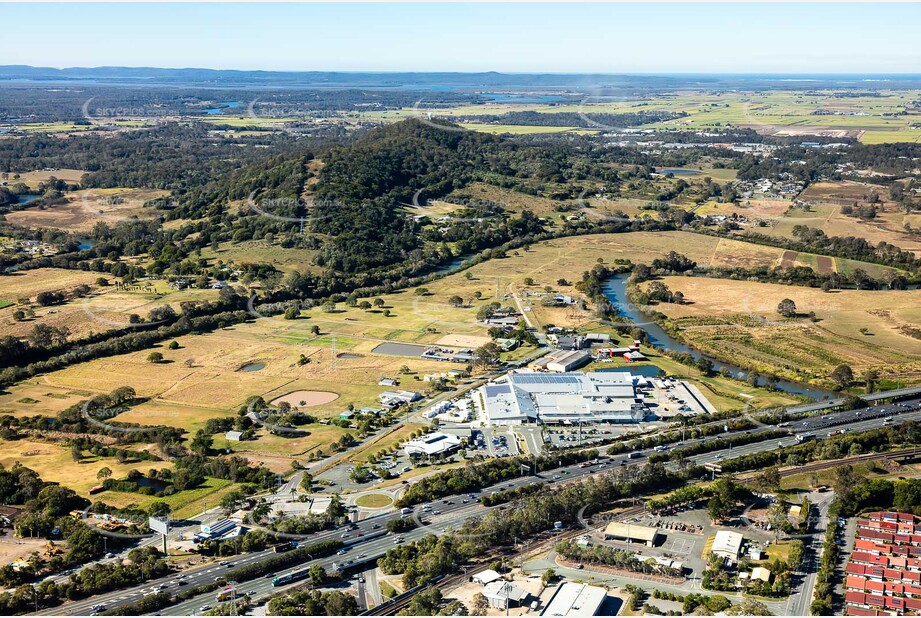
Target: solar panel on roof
[{"x": 544, "y": 378}]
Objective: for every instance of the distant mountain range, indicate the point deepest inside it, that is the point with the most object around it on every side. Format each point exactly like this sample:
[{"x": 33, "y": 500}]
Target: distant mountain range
[{"x": 213, "y": 78}]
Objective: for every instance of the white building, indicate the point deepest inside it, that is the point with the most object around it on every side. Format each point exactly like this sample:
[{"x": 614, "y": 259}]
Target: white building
[
  {"x": 561, "y": 361},
  {"x": 395, "y": 398},
  {"x": 486, "y": 577},
  {"x": 567, "y": 360},
  {"x": 502, "y": 594},
  {"x": 727, "y": 544},
  {"x": 566, "y": 398},
  {"x": 573, "y": 599},
  {"x": 432, "y": 444}
]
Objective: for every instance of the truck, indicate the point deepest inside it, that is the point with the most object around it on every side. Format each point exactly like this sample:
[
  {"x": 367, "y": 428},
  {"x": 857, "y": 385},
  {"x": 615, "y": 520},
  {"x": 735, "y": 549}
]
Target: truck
[
  {"x": 282, "y": 547},
  {"x": 804, "y": 437},
  {"x": 226, "y": 593}
]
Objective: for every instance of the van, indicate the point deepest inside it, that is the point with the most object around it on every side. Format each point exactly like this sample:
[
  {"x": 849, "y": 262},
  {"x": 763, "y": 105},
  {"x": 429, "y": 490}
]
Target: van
[
  {"x": 405, "y": 511},
  {"x": 406, "y": 469}
]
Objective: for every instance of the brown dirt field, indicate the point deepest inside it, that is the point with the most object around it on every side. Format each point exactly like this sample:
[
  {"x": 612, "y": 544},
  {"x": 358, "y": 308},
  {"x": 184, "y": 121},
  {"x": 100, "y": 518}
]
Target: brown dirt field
[
  {"x": 825, "y": 264},
  {"x": 788, "y": 259},
  {"x": 12, "y": 548},
  {"x": 464, "y": 341},
  {"x": 306, "y": 399}
]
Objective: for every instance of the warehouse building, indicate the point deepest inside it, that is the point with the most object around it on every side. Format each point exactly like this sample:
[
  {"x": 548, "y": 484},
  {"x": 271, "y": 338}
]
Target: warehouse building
[
  {"x": 564, "y": 398},
  {"x": 432, "y": 444},
  {"x": 573, "y": 599},
  {"x": 562, "y": 361},
  {"x": 631, "y": 533},
  {"x": 727, "y": 544}
]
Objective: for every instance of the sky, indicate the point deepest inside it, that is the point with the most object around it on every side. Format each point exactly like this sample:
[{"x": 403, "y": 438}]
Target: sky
[{"x": 514, "y": 37}]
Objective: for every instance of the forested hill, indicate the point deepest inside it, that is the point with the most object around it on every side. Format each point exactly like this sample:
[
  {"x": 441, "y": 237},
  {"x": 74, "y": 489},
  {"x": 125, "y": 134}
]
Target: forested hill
[{"x": 395, "y": 161}]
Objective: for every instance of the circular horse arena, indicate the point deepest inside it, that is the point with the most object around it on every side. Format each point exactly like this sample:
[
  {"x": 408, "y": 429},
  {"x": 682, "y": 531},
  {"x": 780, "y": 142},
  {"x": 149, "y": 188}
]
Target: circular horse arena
[{"x": 306, "y": 399}]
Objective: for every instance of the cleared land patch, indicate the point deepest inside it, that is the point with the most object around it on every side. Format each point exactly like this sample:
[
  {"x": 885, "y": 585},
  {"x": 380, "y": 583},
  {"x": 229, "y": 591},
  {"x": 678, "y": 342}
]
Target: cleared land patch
[
  {"x": 306, "y": 399},
  {"x": 87, "y": 207}
]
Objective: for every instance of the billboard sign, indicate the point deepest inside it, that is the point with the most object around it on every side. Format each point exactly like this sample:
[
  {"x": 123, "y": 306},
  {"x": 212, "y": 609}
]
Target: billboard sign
[{"x": 159, "y": 524}]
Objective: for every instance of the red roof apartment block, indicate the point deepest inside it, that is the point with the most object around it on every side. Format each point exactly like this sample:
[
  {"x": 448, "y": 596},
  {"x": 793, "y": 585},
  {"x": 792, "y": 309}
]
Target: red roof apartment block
[{"x": 884, "y": 571}]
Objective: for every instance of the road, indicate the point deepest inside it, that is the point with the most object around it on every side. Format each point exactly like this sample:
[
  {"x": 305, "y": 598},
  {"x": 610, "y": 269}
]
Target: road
[
  {"x": 455, "y": 509},
  {"x": 533, "y": 438},
  {"x": 799, "y": 602}
]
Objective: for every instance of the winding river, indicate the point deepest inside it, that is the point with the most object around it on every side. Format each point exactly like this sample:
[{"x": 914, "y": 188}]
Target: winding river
[{"x": 615, "y": 289}]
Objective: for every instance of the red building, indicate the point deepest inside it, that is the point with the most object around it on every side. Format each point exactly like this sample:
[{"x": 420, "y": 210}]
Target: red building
[{"x": 883, "y": 575}]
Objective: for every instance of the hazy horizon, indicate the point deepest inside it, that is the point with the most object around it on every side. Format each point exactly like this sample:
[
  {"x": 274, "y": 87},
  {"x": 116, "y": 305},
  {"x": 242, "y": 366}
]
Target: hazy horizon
[{"x": 646, "y": 39}]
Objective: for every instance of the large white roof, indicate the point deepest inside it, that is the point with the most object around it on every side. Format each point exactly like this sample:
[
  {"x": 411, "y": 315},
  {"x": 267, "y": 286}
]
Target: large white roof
[
  {"x": 573, "y": 599},
  {"x": 727, "y": 542},
  {"x": 562, "y": 397}
]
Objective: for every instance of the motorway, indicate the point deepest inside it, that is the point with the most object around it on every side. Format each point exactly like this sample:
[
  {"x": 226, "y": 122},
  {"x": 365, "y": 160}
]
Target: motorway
[{"x": 454, "y": 510}]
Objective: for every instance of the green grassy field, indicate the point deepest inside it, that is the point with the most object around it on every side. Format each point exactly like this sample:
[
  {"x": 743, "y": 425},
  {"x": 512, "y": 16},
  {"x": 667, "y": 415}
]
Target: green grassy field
[
  {"x": 374, "y": 501},
  {"x": 787, "y": 112},
  {"x": 516, "y": 129}
]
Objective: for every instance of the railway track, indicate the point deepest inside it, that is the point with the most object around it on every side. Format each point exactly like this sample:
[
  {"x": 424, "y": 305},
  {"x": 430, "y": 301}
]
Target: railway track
[{"x": 825, "y": 465}]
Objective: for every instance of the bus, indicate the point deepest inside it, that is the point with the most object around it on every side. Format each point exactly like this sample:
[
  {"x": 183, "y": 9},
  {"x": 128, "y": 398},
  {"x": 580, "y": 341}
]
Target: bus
[{"x": 293, "y": 576}]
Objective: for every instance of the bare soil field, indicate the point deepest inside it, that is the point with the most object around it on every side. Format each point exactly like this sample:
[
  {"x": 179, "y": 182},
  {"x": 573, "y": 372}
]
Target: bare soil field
[
  {"x": 825, "y": 264},
  {"x": 306, "y": 399},
  {"x": 463, "y": 341}
]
